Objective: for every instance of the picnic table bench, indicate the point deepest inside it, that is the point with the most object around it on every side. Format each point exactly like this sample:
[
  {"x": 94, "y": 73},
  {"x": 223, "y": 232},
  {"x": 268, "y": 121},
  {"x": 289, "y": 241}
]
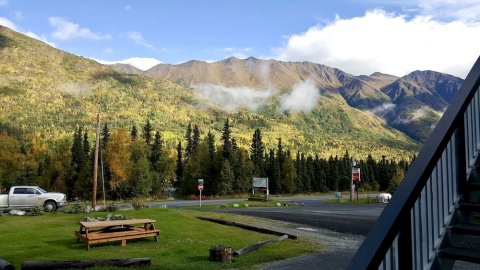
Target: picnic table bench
[{"x": 92, "y": 232}]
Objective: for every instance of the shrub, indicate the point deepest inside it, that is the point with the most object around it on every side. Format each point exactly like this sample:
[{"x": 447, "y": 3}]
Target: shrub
[
  {"x": 112, "y": 207},
  {"x": 138, "y": 204}
]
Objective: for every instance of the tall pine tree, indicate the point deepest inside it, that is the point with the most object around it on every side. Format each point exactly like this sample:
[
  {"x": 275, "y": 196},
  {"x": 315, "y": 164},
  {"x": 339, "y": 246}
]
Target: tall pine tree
[{"x": 147, "y": 132}]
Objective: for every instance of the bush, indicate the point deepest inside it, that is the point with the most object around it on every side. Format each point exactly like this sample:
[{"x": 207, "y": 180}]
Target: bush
[
  {"x": 138, "y": 204},
  {"x": 112, "y": 207},
  {"x": 77, "y": 207}
]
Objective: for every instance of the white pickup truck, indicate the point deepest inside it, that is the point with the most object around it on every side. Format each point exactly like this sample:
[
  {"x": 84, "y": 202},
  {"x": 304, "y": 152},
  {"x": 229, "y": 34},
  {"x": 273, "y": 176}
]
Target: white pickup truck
[{"x": 27, "y": 197}]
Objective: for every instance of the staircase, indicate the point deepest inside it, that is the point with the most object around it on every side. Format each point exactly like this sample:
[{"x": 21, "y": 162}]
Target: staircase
[
  {"x": 433, "y": 219},
  {"x": 462, "y": 241}
]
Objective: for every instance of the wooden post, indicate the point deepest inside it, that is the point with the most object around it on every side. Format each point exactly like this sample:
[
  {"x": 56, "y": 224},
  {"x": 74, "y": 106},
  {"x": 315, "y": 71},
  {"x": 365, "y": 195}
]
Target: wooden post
[{"x": 95, "y": 166}]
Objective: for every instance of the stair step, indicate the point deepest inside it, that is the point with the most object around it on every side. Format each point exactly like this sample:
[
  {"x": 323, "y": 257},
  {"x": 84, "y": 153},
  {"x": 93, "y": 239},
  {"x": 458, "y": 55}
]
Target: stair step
[
  {"x": 460, "y": 254},
  {"x": 468, "y": 229},
  {"x": 469, "y": 206}
]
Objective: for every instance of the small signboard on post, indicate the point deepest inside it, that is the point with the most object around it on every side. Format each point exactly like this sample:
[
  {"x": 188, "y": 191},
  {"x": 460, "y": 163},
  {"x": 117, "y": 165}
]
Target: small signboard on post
[
  {"x": 260, "y": 184},
  {"x": 356, "y": 174},
  {"x": 200, "y": 188}
]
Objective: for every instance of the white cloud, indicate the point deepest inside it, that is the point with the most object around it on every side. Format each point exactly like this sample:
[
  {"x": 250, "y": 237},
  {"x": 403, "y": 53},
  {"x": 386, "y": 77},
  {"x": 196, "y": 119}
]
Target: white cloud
[
  {"x": 6, "y": 22},
  {"x": 303, "y": 98},
  {"x": 465, "y": 10},
  {"x": 66, "y": 30},
  {"x": 138, "y": 62},
  {"x": 233, "y": 98},
  {"x": 137, "y": 37},
  {"x": 41, "y": 38},
  {"x": 389, "y": 43},
  {"x": 382, "y": 109}
]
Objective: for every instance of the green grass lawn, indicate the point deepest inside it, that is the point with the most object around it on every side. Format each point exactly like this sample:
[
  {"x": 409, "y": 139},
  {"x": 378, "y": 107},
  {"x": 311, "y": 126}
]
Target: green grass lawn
[{"x": 183, "y": 243}]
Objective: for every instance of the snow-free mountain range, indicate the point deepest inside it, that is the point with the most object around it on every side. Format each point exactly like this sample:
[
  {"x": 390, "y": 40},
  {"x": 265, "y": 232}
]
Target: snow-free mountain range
[
  {"x": 412, "y": 104},
  {"x": 47, "y": 93}
]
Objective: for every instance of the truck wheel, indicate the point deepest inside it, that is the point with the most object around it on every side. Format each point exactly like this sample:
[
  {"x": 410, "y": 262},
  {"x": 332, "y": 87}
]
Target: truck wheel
[{"x": 50, "y": 206}]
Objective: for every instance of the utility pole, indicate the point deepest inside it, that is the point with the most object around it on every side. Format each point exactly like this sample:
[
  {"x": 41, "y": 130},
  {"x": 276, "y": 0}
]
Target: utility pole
[{"x": 95, "y": 166}]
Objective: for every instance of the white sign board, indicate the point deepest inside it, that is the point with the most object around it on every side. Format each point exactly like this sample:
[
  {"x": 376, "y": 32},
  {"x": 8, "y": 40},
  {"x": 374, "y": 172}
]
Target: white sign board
[{"x": 260, "y": 182}]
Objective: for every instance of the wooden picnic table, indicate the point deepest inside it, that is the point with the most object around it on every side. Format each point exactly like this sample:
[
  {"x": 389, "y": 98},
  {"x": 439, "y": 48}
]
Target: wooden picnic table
[{"x": 115, "y": 230}]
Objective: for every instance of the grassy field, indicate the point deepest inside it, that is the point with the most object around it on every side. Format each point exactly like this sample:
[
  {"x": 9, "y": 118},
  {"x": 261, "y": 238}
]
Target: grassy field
[{"x": 183, "y": 244}]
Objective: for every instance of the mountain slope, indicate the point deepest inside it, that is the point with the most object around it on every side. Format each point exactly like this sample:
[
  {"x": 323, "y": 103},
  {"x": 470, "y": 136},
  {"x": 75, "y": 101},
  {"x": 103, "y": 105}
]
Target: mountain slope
[
  {"x": 412, "y": 104},
  {"x": 46, "y": 93},
  {"x": 420, "y": 99}
]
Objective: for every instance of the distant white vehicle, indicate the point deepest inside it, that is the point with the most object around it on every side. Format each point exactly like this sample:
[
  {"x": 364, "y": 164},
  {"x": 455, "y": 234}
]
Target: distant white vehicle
[
  {"x": 384, "y": 197},
  {"x": 27, "y": 197}
]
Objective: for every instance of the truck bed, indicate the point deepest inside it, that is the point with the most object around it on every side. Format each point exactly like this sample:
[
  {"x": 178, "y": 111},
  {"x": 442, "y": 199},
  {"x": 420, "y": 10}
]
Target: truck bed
[{"x": 3, "y": 200}]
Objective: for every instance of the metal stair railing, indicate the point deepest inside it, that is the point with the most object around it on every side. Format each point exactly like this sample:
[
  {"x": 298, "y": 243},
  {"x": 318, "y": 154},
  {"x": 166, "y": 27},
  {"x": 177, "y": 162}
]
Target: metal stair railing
[{"x": 413, "y": 225}]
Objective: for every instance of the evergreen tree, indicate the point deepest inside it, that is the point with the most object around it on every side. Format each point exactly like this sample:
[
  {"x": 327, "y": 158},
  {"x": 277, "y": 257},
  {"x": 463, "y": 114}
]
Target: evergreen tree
[
  {"x": 280, "y": 153},
  {"x": 134, "y": 133},
  {"x": 307, "y": 173},
  {"x": 256, "y": 151},
  {"x": 105, "y": 136},
  {"x": 86, "y": 145},
  {"x": 227, "y": 141},
  {"x": 104, "y": 166},
  {"x": 195, "y": 138},
  {"x": 78, "y": 162},
  {"x": 189, "y": 145},
  {"x": 211, "y": 145},
  {"x": 140, "y": 181},
  {"x": 78, "y": 152},
  {"x": 179, "y": 164},
  {"x": 157, "y": 149},
  {"x": 273, "y": 173},
  {"x": 226, "y": 178},
  {"x": 147, "y": 132},
  {"x": 300, "y": 171},
  {"x": 288, "y": 175}
]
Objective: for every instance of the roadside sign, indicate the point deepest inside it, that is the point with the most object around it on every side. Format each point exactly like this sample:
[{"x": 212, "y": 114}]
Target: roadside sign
[
  {"x": 355, "y": 174},
  {"x": 200, "y": 182},
  {"x": 200, "y": 187}
]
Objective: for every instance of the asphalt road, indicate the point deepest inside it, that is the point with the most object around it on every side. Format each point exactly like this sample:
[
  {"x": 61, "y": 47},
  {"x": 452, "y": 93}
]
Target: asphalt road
[{"x": 342, "y": 218}]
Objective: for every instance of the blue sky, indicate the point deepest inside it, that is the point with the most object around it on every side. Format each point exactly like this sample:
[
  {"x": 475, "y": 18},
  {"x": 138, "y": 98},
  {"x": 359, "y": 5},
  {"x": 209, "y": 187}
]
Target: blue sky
[{"x": 359, "y": 37}]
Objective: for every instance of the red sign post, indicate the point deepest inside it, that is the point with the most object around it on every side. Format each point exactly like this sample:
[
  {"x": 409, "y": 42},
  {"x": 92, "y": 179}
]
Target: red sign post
[{"x": 200, "y": 188}]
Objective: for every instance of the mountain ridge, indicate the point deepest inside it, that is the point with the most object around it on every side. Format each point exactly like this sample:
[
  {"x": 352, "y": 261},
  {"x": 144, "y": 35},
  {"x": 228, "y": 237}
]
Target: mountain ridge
[
  {"x": 47, "y": 93},
  {"x": 414, "y": 102}
]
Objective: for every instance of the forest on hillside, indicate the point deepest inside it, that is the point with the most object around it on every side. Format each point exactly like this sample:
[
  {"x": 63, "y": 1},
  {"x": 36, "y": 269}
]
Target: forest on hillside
[{"x": 136, "y": 163}]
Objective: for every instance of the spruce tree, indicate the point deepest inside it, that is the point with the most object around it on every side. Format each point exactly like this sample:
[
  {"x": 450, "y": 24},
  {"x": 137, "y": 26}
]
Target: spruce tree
[
  {"x": 147, "y": 132},
  {"x": 157, "y": 148},
  {"x": 195, "y": 138},
  {"x": 211, "y": 145},
  {"x": 86, "y": 145},
  {"x": 134, "y": 133},
  {"x": 227, "y": 141},
  {"x": 179, "y": 164},
  {"x": 256, "y": 151},
  {"x": 105, "y": 136},
  {"x": 189, "y": 139}
]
